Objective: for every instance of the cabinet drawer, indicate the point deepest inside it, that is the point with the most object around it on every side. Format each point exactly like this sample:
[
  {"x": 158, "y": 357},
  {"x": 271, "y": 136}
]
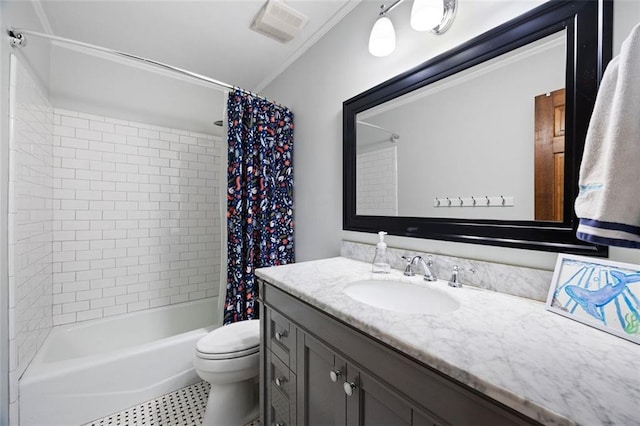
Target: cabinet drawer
[
  {"x": 280, "y": 377},
  {"x": 281, "y": 394},
  {"x": 281, "y": 337},
  {"x": 278, "y": 410}
]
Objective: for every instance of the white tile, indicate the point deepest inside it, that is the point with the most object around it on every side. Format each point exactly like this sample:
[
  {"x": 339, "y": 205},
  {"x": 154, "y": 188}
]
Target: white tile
[
  {"x": 74, "y": 204},
  {"x": 78, "y": 123},
  {"x": 115, "y": 138},
  {"x": 75, "y": 307},
  {"x": 130, "y": 194},
  {"x": 88, "y": 275},
  {"x": 88, "y": 255},
  {"x": 138, "y": 306},
  {"x": 61, "y": 298},
  {"x": 89, "y": 295},
  {"x": 89, "y": 315},
  {"x": 114, "y": 310},
  {"x": 126, "y": 130},
  {"x": 73, "y": 142},
  {"x": 95, "y": 145},
  {"x": 91, "y": 135},
  {"x": 102, "y": 283},
  {"x": 73, "y": 266},
  {"x": 104, "y": 302},
  {"x": 101, "y": 126},
  {"x": 64, "y": 319},
  {"x": 88, "y": 235},
  {"x": 75, "y": 286}
]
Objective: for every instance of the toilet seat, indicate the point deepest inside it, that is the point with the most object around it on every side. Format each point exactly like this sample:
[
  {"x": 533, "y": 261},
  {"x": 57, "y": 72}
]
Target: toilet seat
[
  {"x": 230, "y": 341},
  {"x": 228, "y": 355}
]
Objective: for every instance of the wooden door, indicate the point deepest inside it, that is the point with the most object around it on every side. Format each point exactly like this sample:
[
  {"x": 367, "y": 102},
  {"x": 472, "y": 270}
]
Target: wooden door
[{"x": 549, "y": 156}]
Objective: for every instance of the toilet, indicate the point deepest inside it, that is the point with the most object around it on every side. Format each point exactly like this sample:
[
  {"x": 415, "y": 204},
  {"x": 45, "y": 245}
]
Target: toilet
[{"x": 228, "y": 358}]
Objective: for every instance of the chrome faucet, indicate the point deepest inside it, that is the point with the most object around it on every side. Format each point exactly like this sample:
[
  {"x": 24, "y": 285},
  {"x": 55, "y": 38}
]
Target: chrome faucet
[
  {"x": 454, "y": 281},
  {"x": 426, "y": 267}
]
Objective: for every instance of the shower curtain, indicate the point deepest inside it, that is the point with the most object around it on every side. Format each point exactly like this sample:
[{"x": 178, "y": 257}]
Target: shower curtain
[{"x": 259, "y": 197}]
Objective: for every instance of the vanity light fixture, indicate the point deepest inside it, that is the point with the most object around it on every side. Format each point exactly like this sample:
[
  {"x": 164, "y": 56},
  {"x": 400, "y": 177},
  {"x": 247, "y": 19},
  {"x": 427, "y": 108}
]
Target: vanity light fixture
[
  {"x": 382, "y": 40},
  {"x": 434, "y": 15}
]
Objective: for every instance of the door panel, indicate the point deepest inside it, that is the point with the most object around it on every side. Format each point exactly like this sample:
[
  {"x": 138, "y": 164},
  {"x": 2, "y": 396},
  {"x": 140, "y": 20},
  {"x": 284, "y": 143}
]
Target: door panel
[
  {"x": 321, "y": 401},
  {"x": 374, "y": 404},
  {"x": 549, "y": 156}
]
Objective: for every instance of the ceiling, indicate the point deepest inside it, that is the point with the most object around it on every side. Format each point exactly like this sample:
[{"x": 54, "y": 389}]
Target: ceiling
[{"x": 211, "y": 38}]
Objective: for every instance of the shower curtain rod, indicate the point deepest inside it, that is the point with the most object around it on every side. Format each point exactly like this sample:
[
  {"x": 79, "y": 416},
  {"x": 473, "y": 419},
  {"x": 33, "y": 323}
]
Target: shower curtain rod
[
  {"x": 394, "y": 136},
  {"x": 17, "y": 39}
]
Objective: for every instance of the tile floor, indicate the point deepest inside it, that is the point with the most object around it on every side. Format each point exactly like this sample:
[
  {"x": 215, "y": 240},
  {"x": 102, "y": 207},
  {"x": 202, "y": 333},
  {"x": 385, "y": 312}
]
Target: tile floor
[{"x": 184, "y": 407}]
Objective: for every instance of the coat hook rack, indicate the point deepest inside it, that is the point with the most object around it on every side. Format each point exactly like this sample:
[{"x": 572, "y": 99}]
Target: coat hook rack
[{"x": 475, "y": 201}]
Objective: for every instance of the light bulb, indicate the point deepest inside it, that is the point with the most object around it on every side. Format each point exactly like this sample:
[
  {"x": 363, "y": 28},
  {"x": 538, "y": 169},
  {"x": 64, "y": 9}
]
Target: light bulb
[
  {"x": 426, "y": 14},
  {"x": 382, "y": 40}
]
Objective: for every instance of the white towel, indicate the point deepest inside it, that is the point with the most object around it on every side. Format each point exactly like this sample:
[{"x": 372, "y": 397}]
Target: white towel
[{"x": 608, "y": 204}]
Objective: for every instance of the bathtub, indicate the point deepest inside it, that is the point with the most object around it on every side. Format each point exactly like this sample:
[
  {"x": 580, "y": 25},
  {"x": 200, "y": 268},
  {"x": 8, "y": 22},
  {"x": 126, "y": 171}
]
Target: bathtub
[{"x": 91, "y": 369}]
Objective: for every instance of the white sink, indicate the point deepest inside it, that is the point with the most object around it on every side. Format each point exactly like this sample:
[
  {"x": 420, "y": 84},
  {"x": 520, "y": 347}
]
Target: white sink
[{"x": 402, "y": 296}]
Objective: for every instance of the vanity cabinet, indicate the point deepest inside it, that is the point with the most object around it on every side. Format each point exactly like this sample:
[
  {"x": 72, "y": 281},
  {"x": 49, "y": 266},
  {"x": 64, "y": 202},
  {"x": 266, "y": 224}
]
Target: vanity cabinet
[{"x": 317, "y": 370}]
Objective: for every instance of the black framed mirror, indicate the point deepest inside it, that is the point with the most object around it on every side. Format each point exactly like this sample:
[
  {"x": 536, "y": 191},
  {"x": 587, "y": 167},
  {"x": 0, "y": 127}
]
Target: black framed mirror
[{"x": 442, "y": 211}]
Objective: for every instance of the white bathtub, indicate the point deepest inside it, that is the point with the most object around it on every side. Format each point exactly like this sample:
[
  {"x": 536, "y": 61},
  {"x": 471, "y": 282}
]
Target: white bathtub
[{"x": 95, "y": 368}]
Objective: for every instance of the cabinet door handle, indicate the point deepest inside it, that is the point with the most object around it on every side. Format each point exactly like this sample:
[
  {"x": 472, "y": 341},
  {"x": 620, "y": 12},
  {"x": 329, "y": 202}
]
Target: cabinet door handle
[
  {"x": 349, "y": 387},
  {"x": 280, "y": 335},
  {"x": 280, "y": 381},
  {"x": 334, "y": 374}
]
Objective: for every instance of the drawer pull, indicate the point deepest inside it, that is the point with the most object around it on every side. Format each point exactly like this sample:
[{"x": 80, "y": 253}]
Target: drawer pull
[
  {"x": 334, "y": 374},
  {"x": 281, "y": 335},
  {"x": 349, "y": 387},
  {"x": 280, "y": 381}
]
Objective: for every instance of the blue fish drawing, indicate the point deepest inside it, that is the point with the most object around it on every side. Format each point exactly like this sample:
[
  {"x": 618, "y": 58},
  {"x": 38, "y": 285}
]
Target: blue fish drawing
[{"x": 591, "y": 300}]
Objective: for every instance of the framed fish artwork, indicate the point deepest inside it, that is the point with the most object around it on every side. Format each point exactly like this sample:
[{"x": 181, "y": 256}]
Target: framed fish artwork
[{"x": 600, "y": 293}]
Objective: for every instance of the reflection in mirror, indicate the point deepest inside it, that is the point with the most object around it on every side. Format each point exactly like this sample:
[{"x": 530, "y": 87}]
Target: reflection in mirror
[{"x": 485, "y": 143}]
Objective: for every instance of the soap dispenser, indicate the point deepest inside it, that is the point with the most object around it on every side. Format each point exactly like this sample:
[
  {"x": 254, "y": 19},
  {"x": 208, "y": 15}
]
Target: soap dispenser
[{"x": 380, "y": 261}]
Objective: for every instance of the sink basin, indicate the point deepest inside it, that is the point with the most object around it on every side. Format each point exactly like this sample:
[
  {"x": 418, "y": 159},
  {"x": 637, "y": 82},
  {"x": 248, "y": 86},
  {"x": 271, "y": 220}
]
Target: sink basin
[{"x": 402, "y": 296}]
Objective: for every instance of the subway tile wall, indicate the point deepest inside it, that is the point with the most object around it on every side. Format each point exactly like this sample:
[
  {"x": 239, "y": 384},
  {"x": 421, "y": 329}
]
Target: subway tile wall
[
  {"x": 136, "y": 216},
  {"x": 377, "y": 182},
  {"x": 30, "y": 223}
]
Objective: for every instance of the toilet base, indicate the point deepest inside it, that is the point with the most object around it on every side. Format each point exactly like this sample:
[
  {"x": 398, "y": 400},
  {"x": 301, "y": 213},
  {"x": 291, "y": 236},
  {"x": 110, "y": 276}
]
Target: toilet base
[{"x": 232, "y": 404}]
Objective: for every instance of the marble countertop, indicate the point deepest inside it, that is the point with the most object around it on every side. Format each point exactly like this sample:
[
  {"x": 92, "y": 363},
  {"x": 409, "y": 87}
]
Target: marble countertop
[{"x": 550, "y": 368}]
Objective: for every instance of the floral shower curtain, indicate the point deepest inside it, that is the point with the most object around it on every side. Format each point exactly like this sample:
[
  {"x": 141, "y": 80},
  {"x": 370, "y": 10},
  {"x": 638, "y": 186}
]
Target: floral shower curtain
[{"x": 259, "y": 197}]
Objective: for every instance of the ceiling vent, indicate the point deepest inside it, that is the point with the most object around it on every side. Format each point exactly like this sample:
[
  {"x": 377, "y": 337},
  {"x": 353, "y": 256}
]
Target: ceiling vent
[{"x": 279, "y": 21}]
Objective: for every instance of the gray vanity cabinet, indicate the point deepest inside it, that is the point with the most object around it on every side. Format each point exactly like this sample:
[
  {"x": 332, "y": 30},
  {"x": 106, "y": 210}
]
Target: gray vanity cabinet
[
  {"x": 317, "y": 370},
  {"x": 334, "y": 391}
]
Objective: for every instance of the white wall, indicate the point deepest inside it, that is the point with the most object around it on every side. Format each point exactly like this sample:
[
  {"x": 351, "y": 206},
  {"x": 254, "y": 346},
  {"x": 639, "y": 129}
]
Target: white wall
[
  {"x": 339, "y": 67},
  {"x": 137, "y": 216},
  {"x": 12, "y": 14},
  {"x": 30, "y": 228},
  {"x": 101, "y": 84}
]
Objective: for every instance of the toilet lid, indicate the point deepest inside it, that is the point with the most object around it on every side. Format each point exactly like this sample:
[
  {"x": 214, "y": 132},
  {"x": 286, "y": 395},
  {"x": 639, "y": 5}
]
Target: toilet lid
[
  {"x": 228, "y": 355},
  {"x": 242, "y": 336}
]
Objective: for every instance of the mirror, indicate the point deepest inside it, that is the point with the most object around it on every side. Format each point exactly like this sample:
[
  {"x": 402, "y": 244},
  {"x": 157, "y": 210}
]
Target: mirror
[
  {"x": 452, "y": 148},
  {"x": 483, "y": 143}
]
